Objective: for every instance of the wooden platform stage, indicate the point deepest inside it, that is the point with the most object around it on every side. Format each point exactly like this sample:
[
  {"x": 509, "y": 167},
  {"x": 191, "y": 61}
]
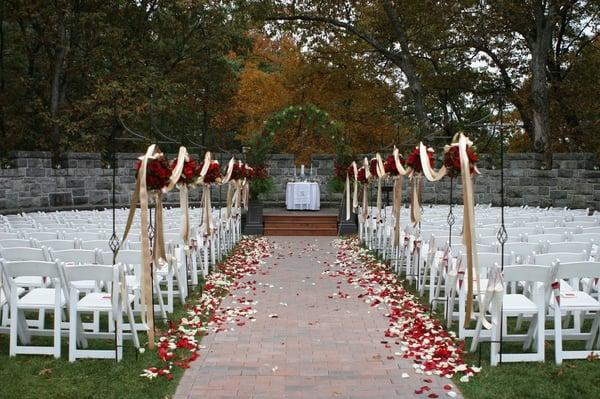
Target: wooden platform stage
[{"x": 281, "y": 222}]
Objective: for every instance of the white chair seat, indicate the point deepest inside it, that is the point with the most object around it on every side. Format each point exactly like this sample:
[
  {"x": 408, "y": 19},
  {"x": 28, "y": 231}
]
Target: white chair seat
[
  {"x": 577, "y": 300},
  {"x": 20, "y": 292},
  {"x": 29, "y": 281},
  {"x": 39, "y": 298},
  {"x": 85, "y": 286},
  {"x": 518, "y": 303},
  {"x": 97, "y": 301}
]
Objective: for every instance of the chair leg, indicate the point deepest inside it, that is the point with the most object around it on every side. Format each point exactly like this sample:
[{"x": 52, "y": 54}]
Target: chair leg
[
  {"x": 72, "y": 331},
  {"x": 593, "y": 333},
  {"x": 134, "y": 334},
  {"x": 557, "y": 336},
  {"x": 57, "y": 324},
  {"x": 119, "y": 333},
  {"x": 14, "y": 322}
]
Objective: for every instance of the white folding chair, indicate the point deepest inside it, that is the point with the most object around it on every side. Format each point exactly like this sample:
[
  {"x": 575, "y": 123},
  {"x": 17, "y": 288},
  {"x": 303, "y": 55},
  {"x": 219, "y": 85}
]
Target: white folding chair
[
  {"x": 114, "y": 302},
  {"x": 566, "y": 303},
  {"x": 37, "y": 299},
  {"x": 515, "y": 304}
]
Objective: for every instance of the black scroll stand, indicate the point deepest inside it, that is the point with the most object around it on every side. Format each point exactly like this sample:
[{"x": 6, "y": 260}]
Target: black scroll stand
[
  {"x": 451, "y": 220},
  {"x": 502, "y": 234}
]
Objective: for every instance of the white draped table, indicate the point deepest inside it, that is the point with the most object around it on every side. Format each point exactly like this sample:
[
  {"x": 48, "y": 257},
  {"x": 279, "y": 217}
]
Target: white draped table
[{"x": 303, "y": 196}]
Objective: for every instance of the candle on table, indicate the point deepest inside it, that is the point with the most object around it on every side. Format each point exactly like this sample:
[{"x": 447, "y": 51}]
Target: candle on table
[
  {"x": 302, "y": 170},
  {"x": 311, "y": 169}
]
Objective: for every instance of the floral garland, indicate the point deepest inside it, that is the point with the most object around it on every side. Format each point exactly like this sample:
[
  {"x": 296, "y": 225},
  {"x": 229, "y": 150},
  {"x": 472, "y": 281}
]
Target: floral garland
[
  {"x": 373, "y": 168},
  {"x": 158, "y": 172},
  {"x": 350, "y": 172},
  {"x": 413, "y": 160},
  {"x": 179, "y": 345},
  {"x": 362, "y": 176},
  {"x": 190, "y": 172},
  {"x": 260, "y": 172},
  {"x": 419, "y": 336},
  {"x": 247, "y": 172},
  {"x": 452, "y": 160},
  {"x": 390, "y": 165},
  {"x": 213, "y": 173},
  {"x": 237, "y": 173}
]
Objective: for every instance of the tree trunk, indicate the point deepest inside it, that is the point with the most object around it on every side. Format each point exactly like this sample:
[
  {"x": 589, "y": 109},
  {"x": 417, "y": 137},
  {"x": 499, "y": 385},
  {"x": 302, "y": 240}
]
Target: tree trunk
[
  {"x": 56, "y": 90},
  {"x": 540, "y": 42}
]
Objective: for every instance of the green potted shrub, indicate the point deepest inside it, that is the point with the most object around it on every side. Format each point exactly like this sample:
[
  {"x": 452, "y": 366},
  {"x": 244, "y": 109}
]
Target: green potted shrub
[{"x": 261, "y": 184}]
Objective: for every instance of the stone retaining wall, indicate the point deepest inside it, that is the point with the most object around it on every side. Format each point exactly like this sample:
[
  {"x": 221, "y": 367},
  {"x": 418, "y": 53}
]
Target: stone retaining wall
[{"x": 81, "y": 181}]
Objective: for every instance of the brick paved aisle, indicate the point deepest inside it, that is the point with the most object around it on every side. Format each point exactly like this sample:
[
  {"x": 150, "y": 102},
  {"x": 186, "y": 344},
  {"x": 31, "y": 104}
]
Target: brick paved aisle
[{"x": 302, "y": 343}]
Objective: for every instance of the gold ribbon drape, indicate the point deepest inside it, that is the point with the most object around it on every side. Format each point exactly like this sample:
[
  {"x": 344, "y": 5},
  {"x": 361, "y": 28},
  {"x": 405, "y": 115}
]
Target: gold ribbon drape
[
  {"x": 182, "y": 158},
  {"x": 415, "y": 198},
  {"x": 469, "y": 227},
  {"x": 207, "y": 225},
  {"x": 380, "y": 176},
  {"x": 355, "y": 190},
  {"x": 365, "y": 199},
  {"x": 141, "y": 194},
  {"x": 397, "y": 198}
]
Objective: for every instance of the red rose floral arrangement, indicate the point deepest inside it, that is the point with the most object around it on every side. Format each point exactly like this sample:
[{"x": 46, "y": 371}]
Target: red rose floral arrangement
[
  {"x": 189, "y": 174},
  {"x": 158, "y": 172},
  {"x": 373, "y": 167},
  {"x": 247, "y": 171},
  {"x": 213, "y": 174},
  {"x": 390, "y": 165},
  {"x": 350, "y": 172},
  {"x": 362, "y": 175},
  {"x": 452, "y": 160},
  {"x": 237, "y": 172},
  {"x": 413, "y": 161}
]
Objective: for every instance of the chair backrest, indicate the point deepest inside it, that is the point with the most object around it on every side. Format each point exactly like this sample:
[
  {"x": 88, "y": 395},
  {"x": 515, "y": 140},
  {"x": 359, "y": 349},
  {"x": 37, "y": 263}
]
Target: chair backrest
[
  {"x": 550, "y": 258},
  {"x": 77, "y": 256},
  {"x": 594, "y": 238},
  {"x": 102, "y": 245},
  {"x": 24, "y": 254},
  {"x": 174, "y": 237},
  {"x": 527, "y": 272},
  {"x": 488, "y": 259},
  {"x": 134, "y": 245},
  {"x": 544, "y": 238},
  {"x": 83, "y": 235},
  {"x": 86, "y": 272},
  {"x": 13, "y": 243},
  {"x": 43, "y": 235},
  {"x": 128, "y": 257},
  {"x": 31, "y": 268},
  {"x": 576, "y": 270},
  {"x": 57, "y": 245},
  {"x": 9, "y": 235},
  {"x": 522, "y": 249},
  {"x": 571, "y": 246},
  {"x": 563, "y": 230}
]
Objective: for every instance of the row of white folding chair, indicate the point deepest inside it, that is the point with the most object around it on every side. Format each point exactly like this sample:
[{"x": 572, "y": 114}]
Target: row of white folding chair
[
  {"x": 564, "y": 304},
  {"x": 64, "y": 294}
]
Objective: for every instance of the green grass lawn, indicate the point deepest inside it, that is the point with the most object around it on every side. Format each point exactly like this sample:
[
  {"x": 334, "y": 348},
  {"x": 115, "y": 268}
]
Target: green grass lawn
[{"x": 45, "y": 377}]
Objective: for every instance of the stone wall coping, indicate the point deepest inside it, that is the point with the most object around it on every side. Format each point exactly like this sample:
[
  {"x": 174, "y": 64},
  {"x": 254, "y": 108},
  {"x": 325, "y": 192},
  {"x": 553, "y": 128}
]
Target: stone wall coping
[
  {"x": 82, "y": 155},
  {"x": 30, "y": 154}
]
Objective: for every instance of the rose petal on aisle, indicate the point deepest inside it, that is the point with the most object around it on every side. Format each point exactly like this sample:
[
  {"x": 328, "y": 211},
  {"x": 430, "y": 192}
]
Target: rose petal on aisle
[
  {"x": 179, "y": 345},
  {"x": 434, "y": 350}
]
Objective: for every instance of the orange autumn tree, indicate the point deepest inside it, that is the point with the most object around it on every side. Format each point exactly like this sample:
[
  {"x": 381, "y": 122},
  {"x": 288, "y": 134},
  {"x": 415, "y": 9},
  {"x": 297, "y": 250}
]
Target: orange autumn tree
[{"x": 278, "y": 75}]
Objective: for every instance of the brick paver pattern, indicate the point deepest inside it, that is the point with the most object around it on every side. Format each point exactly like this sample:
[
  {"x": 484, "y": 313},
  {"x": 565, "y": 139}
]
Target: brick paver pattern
[{"x": 316, "y": 347}]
